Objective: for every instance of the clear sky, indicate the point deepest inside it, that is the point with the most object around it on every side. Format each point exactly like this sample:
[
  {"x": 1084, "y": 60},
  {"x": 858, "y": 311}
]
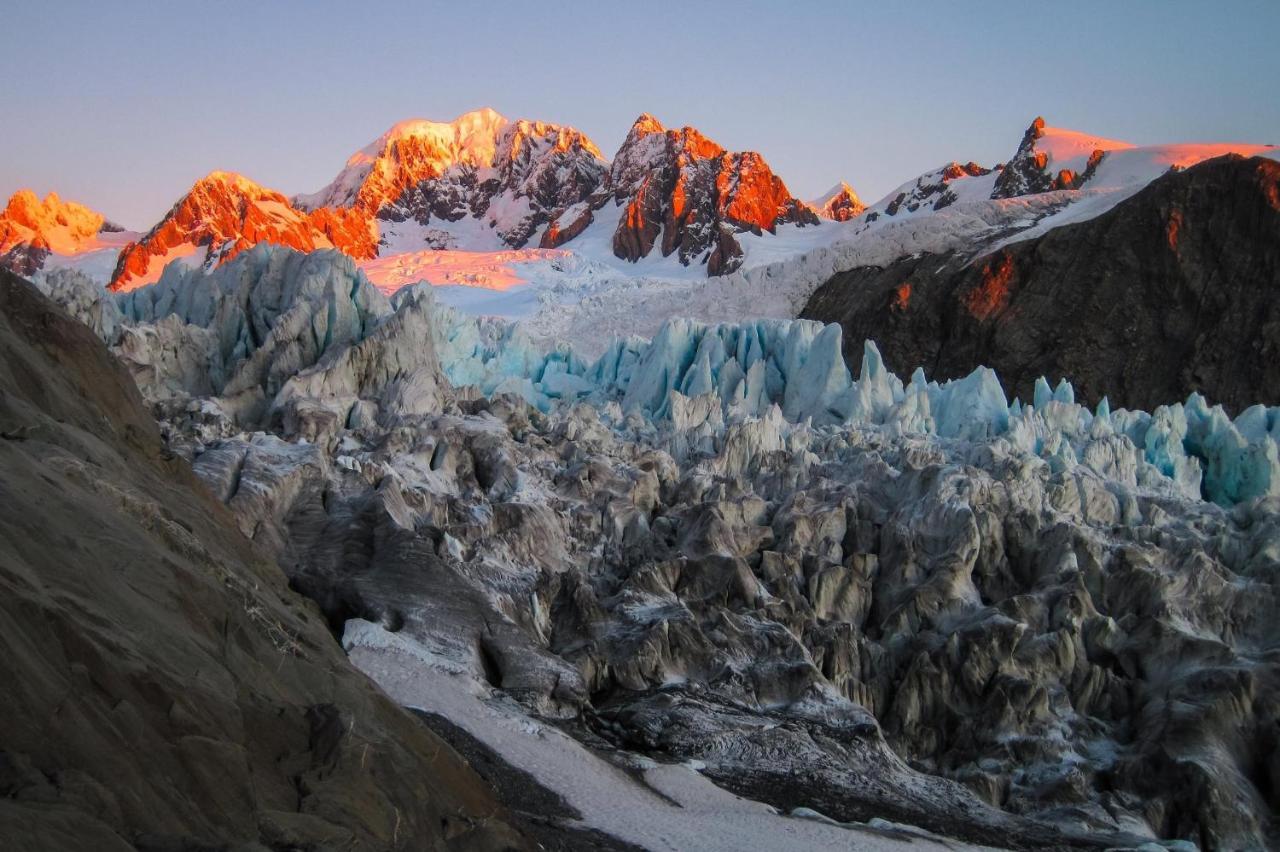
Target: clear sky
[{"x": 122, "y": 105}]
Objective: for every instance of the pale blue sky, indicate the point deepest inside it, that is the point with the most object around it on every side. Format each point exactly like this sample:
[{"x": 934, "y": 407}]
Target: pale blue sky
[{"x": 122, "y": 105}]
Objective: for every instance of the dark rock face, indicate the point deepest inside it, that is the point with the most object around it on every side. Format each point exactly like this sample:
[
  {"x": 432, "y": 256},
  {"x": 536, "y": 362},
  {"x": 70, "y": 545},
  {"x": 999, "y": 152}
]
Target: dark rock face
[
  {"x": 1025, "y": 173},
  {"x": 166, "y": 690},
  {"x": 567, "y": 225},
  {"x": 680, "y": 184},
  {"x": 24, "y": 259},
  {"x": 1172, "y": 291}
]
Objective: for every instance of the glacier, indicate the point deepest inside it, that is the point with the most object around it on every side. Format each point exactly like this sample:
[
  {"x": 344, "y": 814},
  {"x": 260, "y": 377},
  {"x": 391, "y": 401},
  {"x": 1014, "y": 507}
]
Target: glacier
[
  {"x": 747, "y": 369},
  {"x": 719, "y": 534},
  {"x": 273, "y": 312}
]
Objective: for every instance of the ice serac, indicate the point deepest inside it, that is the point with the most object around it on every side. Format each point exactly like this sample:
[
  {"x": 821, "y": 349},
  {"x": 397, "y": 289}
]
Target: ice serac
[
  {"x": 243, "y": 331},
  {"x": 681, "y": 185},
  {"x": 839, "y": 204},
  {"x": 224, "y": 214}
]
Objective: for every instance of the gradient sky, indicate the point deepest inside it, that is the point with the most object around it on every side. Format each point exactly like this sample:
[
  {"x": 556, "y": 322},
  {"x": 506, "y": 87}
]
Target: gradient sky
[{"x": 122, "y": 105}]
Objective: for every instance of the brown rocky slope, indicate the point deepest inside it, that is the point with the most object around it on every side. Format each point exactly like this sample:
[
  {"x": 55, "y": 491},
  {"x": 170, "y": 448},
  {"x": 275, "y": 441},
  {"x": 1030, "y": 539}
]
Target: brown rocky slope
[
  {"x": 1172, "y": 291},
  {"x": 166, "y": 690}
]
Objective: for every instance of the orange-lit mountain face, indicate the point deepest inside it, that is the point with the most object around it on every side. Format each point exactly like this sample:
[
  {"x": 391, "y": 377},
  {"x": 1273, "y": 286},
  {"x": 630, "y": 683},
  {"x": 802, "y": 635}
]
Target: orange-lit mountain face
[
  {"x": 840, "y": 204},
  {"x": 223, "y": 214},
  {"x": 515, "y": 180},
  {"x": 680, "y": 185},
  {"x": 509, "y": 176},
  {"x": 32, "y": 229},
  {"x": 482, "y": 186}
]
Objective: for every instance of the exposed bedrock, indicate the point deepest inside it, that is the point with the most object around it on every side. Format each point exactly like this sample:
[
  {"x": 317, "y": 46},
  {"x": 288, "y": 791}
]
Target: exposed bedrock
[
  {"x": 1170, "y": 292},
  {"x": 164, "y": 689}
]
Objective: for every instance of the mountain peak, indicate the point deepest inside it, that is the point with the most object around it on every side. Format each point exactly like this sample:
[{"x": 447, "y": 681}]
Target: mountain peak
[
  {"x": 27, "y": 210},
  {"x": 225, "y": 213},
  {"x": 646, "y": 124},
  {"x": 408, "y": 153},
  {"x": 1052, "y": 158},
  {"x": 223, "y": 181},
  {"x": 840, "y": 203},
  {"x": 31, "y": 229}
]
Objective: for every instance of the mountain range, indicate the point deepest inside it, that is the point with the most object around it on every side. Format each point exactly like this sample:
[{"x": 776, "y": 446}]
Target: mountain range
[{"x": 482, "y": 185}]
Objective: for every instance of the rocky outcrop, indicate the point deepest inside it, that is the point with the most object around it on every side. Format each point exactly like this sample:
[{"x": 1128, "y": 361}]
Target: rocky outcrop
[
  {"x": 1170, "y": 292},
  {"x": 168, "y": 690},
  {"x": 695, "y": 194},
  {"x": 224, "y": 214},
  {"x": 1027, "y": 172},
  {"x": 1034, "y": 169},
  {"x": 839, "y": 204}
]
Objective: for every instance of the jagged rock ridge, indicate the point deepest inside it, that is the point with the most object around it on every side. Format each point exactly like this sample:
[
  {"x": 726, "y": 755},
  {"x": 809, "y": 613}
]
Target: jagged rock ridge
[
  {"x": 697, "y": 196},
  {"x": 222, "y": 215}
]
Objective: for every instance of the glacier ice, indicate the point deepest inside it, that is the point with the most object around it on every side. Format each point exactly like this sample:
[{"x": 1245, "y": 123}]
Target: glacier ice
[
  {"x": 263, "y": 323},
  {"x": 748, "y": 369}
]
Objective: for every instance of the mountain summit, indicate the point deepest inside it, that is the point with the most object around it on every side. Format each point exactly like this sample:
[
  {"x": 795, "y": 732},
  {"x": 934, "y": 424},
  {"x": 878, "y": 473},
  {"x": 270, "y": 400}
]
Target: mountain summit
[
  {"x": 682, "y": 186},
  {"x": 225, "y": 213},
  {"x": 31, "y": 229}
]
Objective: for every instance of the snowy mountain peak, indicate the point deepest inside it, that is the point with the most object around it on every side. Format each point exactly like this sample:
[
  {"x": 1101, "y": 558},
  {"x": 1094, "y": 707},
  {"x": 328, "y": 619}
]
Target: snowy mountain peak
[
  {"x": 840, "y": 203},
  {"x": 51, "y": 223},
  {"x": 645, "y": 125},
  {"x": 1041, "y": 163},
  {"x": 686, "y": 188},
  {"x": 33, "y": 230},
  {"x": 225, "y": 213},
  {"x": 407, "y": 154}
]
